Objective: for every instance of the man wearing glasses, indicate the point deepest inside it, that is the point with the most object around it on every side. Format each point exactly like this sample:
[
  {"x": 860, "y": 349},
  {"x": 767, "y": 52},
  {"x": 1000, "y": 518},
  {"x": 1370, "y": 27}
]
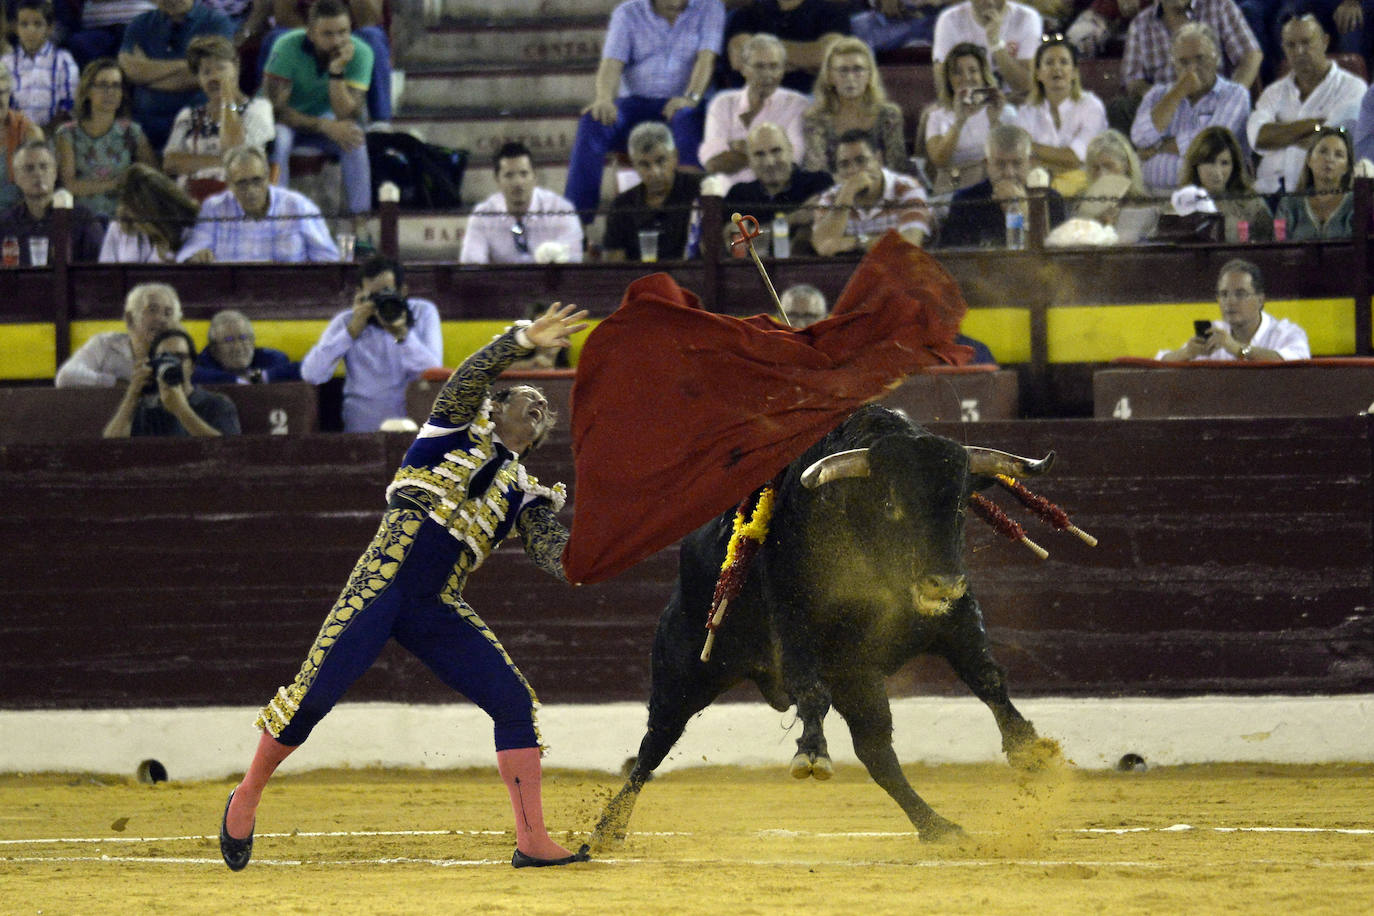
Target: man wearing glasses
[
  {"x": 1246, "y": 331},
  {"x": 161, "y": 399},
  {"x": 253, "y": 221},
  {"x": 231, "y": 356},
  {"x": 514, "y": 225}
]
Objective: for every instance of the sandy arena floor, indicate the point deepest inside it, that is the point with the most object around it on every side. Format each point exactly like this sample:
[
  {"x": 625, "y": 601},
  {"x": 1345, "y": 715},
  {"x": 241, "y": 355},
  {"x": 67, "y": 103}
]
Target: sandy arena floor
[{"x": 1234, "y": 839}]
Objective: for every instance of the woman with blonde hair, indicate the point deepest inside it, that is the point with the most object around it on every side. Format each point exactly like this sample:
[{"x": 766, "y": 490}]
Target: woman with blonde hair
[
  {"x": 96, "y": 149},
  {"x": 151, "y": 219},
  {"x": 1216, "y": 163},
  {"x": 850, "y": 96},
  {"x": 956, "y": 127},
  {"x": 1059, "y": 115}
]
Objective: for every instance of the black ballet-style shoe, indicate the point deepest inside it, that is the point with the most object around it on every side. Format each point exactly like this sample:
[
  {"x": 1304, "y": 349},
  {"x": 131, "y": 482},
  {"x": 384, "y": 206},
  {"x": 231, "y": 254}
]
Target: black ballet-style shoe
[
  {"x": 236, "y": 852},
  {"x": 520, "y": 860}
]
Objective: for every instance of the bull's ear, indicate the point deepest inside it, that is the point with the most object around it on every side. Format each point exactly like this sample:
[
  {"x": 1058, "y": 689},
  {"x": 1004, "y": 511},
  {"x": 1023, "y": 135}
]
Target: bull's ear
[{"x": 853, "y": 463}]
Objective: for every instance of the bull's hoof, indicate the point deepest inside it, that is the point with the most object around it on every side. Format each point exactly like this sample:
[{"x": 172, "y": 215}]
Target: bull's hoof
[
  {"x": 817, "y": 765},
  {"x": 939, "y": 830},
  {"x": 822, "y": 768},
  {"x": 1036, "y": 755},
  {"x": 801, "y": 766},
  {"x": 605, "y": 839}
]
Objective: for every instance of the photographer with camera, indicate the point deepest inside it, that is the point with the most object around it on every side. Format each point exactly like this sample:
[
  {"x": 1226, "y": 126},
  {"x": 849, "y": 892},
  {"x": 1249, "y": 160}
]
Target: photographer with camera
[
  {"x": 162, "y": 401},
  {"x": 385, "y": 341}
]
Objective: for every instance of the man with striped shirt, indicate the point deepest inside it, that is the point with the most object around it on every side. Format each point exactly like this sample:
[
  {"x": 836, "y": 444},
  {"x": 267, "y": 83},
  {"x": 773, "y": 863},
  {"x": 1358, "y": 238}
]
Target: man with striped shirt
[{"x": 868, "y": 201}]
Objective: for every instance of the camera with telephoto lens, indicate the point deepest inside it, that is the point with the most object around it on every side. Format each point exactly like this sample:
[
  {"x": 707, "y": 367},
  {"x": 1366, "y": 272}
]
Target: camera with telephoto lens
[
  {"x": 391, "y": 306},
  {"x": 166, "y": 369}
]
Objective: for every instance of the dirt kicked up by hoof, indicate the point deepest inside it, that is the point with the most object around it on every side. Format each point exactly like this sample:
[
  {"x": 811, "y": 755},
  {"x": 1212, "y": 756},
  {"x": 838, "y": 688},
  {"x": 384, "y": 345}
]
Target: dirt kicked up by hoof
[{"x": 1038, "y": 755}]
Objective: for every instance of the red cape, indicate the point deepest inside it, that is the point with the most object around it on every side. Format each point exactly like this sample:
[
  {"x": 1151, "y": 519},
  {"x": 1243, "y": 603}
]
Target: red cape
[{"x": 679, "y": 413}]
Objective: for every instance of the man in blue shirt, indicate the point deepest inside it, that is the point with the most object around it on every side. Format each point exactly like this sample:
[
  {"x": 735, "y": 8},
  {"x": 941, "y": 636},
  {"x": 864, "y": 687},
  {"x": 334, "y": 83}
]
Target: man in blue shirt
[
  {"x": 655, "y": 66},
  {"x": 232, "y": 357},
  {"x": 153, "y": 57}
]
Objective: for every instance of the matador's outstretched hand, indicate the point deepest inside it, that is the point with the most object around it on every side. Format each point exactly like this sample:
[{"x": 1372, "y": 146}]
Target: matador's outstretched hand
[{"x": 556, "y": 326}]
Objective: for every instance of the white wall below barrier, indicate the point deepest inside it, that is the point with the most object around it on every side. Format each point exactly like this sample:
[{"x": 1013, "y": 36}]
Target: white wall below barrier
[{"x": 216, "y": 742}]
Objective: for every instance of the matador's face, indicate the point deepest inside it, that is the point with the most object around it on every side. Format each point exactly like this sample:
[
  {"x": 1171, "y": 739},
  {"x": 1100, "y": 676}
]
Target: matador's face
[{"x": 523, "y": 418}]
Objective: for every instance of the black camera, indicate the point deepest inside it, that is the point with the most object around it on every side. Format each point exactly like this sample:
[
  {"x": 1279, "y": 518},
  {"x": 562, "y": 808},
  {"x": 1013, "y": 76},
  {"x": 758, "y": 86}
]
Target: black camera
[
  {"x": 391, "y": 306},
  {"x": 166, "y": 369},
  {"x": 1202, "y": 327}
]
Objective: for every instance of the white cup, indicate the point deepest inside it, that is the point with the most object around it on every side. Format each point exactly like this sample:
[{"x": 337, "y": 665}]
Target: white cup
[
  {"x": 38, "y": 251},
  {"x": 648, "y": 245}
]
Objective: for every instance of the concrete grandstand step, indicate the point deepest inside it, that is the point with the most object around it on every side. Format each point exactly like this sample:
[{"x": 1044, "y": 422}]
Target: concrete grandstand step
[
  {"x": 575, "y": 42},
  {"x": 499, "y": 87},
  {"x": 548, "y": 134},
  {"x": 523, "y": 9}
]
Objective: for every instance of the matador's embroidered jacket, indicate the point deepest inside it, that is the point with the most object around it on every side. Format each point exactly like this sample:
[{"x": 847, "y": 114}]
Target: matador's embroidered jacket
[{"x": 451, "y": 450}]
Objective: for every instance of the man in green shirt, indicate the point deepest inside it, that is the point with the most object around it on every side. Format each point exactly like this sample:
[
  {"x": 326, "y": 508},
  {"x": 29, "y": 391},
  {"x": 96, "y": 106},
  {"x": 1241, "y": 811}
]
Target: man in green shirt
[{"x": 317, "y": 79}]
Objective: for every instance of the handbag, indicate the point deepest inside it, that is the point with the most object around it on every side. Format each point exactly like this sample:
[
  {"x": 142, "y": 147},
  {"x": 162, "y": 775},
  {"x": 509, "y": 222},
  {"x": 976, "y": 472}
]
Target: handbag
[{"x": 1195, "y": 228}]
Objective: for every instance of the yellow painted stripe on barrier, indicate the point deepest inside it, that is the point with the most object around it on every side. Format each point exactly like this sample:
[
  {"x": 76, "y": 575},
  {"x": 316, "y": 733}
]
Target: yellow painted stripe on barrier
[
  {"x": 1005, "y": 331},
  {"x": 27, "y": 351},
  {"x": 1096, "y": 333}
]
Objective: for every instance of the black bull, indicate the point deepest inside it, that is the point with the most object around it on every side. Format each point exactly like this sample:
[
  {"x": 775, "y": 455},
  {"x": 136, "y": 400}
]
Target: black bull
[{"x": 861, "y": 571}]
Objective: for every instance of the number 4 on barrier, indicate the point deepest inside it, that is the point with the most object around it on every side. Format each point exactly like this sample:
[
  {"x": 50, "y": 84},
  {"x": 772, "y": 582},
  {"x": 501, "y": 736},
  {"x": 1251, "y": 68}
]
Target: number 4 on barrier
[{"x": 1122, "y": 410}]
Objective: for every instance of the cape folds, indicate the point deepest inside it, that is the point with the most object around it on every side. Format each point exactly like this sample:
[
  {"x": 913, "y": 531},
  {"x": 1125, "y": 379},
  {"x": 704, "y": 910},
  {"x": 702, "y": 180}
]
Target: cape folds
[{"x": 679, "y": 413}]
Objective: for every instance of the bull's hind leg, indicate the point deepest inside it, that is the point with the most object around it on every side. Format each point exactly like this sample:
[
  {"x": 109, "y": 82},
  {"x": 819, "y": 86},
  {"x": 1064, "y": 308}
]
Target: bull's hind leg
[
  {"x": 863, "y": 703},
  {"x": 965, "y": 646}
]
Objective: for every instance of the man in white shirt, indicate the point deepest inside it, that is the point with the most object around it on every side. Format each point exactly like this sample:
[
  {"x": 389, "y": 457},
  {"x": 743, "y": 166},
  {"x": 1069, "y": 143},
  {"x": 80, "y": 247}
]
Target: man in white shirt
[
  {"x": 732, "y": 113},
  {"x": 512, "y": 225},
  {"x": 1247, "y": 331},
  {"x": 1009, "y": 31},
  {"x": 1315, "y": 92}
]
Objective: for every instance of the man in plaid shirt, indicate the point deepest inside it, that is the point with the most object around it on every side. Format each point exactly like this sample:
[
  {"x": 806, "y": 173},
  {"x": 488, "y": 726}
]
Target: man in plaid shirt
[
  {"x": 867, "y": 202},
  {"x": 1148, "y": 57},
  {"x": 253, "y": 221}
]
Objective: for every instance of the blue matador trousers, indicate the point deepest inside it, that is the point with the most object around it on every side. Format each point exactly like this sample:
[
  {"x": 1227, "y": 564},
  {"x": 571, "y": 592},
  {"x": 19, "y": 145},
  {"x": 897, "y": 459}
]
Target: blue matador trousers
[{"x": 406, "y": 584}]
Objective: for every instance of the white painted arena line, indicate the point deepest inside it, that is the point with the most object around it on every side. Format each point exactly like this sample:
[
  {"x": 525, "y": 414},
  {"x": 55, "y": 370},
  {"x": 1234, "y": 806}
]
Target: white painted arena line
[
  {"x": 768, "y": 833},
  {"x": 216, "y": 862}
]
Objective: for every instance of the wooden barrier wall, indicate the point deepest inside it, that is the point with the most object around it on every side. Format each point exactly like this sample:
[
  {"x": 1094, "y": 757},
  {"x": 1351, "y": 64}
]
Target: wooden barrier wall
[{"x": 1235, "y": 558}]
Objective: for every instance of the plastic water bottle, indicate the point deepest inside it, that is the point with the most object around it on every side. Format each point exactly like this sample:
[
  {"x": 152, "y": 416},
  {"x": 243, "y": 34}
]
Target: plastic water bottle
[
  {"x": 782, "y": 243},
  {"x": 1280, "y": 229},
  {"x": 1016, "y": 231}
]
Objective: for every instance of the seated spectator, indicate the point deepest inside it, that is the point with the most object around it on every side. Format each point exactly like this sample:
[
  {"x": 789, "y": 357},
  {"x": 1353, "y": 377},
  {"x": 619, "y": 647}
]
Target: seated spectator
[
  {"x": 1111, "y": 153},
  {"x": 201, "y": 133},
  {"x": 978, "y": 215},
  {"x": 656, "y": 65},
  {"x": 804, "y": 26},
  {"x": 849, "y": 95},
  {"x": 803, "y": 304},
  {"x": 153, "y": 56},
  {"x": 1247, "y": 331},
  {"x": 1343, "y": 20},
  {"x": 1099, "y": 24},
  {"x": 867, "y": 201},
  {"x": 982, "y": 356},
  {"x": 253, "y": 221},
  {"x": 510, "y": 226},
  {"x": 98, "y": 29},
  {"x": 385, "y": 341},
  {"x": 1315, "y": 93},
  {"x": 956, "y": 128},
  {"x": 317, "y": 79},
  {"x": 781, "y": 186},
  {"x": 733, "y": 112},
  {"x": 35, "y": 175},
  {"x": 18, "y": 130},
  {"x": 161, "y": 399},
  {"x": 1171, "y": 114},
  {"x": 1060, "y": 116},
  {"x": 230, "y": 356},
  {"x": 95, "y": 150},
  {"x": 1008, "y": 33},
  {"x": 110, "y": 356},
  {"x": 1148, "y": 60},
  {"x": 1115, "y": 193},
  {"x": 1215, "y": 163},
  {"x": 662, "y": 200},
  {"x": 366, "y": 17},
  {"x": 151, "y": 222},
  {"x": 890, "y": 24},
  {"x": 1324, "y": 205},
  {"x": 45, "y": 76}
]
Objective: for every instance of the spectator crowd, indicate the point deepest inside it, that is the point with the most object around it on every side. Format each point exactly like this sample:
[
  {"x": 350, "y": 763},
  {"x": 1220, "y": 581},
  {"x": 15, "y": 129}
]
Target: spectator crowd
[{"x": 171, "y": 126}]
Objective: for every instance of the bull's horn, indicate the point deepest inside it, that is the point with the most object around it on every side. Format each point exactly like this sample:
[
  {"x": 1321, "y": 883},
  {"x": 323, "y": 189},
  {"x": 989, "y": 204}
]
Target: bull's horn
[
  {"x": 990, "y": 461},
  {"x": 853, "y": 463}
]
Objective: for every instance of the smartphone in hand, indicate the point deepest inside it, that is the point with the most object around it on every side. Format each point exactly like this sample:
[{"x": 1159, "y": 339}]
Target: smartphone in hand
[{"x": 1202, "y": 327}]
